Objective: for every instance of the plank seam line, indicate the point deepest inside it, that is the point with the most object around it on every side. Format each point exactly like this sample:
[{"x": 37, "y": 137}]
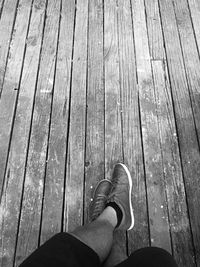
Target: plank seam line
[
  {"x": 1, "y": 8},
  {"x": 9, "y": 45},
  {"x": 120, "y": 82},
  {"x": 69, "y": 119},
  {"x": 148, "y": 39},
  {"x": 104, "y": 86},
  {"x": 158, "y": 125},
  {"x": 188, "y": 87},
  {"x": 140, "y": 125},
  {"x": 86, "y": 113},
  {"x": 1, "y": 89},
  {"x": 162, "y": 160},
  {"x": 131, "y": 7},
  {"x": 29, "y": 137},
  {"x": 195, "y": 37},
  {"x": 176, "y": 126},
  {"x": 120, "y": 107},
  {"x": 49, "y": 130},
  {"x": 15, "y": 109},
  {"x": 186, "y": 76}
]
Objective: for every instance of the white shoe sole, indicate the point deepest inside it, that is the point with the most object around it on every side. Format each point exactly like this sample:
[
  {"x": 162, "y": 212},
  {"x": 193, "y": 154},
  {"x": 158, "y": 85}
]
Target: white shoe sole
[{"x": 130, "y": 191}]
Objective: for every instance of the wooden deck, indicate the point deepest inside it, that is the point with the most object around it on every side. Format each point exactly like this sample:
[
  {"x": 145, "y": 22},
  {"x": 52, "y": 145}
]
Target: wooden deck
[{"x": 88, "y": 83}]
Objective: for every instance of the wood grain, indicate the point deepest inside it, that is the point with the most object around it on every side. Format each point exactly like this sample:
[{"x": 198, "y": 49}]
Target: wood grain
[
  {"x": 132, "y": 146},
  {"x": 113, "y": 118},
  {"x": 86, "y": 84},
  {"x": 36, "y": 155},
  {"x": 1, "y": 7},
  {"x": 73, "y": 216},
  {"x": 94, "y": 154},
  {"x": 182, "y": 247},
  {"x": 12, "y": 78},
  {"x": 189, "y": 148},
  {"x": 8, "y": 17},
  {"x": 11, "y": 186},
  {"x": 157, "y": 205},
  {"x": 190, "y": 57},
  {"x": 25, "y": 101},
  {"x": 194, "y": 8},
  {"x": 55, "y": 172},
  {"x": 155, "y": 37}
]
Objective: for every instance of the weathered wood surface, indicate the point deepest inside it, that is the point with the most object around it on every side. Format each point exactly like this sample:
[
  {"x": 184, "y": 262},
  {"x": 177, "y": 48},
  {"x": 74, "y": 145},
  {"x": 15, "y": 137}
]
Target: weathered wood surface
[
  {"x": 94, "y": 154},
  {"x": 26, "y": 97},
  {"x": 155, "y": 37},
  {"x": 98, "y": 82},
  {"x": 184, "y": 114},
  {"x": 194, "y": 8},
  {"x": 29, "y": 224},
  {"x": 182, "y": 247},
  {"x": 55, "y": 171},
  {"x": 73, "y": 216},
  {"x": 177, "y": 207},
  {"x": 157, "y": 205},
  {"x": 113, "y": 126},
  {"x": 190, "y": 57},
  {"x": 132, "y": 145},
  {"x": 8, "y": 17},
  {"x": 1, "y": 7},
  {"x": 12, "y": 79},
  {"x": 113, "y": 116},
  {"x": 11, "y": 163}
]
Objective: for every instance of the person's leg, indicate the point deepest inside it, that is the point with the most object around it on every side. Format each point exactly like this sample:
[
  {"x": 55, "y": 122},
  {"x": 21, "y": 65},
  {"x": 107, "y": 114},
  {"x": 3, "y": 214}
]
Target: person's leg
[
  {"x": 99, "y": 234},
  {"x": 96, "y": 236},
  {"x": 63, "y": 250},
  {"x": 149, "y": 257},
  {"x": 87, "y": 245},
  {"x": 95, "y": 239},
  {"x": 118, "y": 214}
]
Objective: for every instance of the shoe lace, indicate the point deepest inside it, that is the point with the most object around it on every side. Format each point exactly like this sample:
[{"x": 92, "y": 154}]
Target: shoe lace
[
  {"x": 99, "y": 205},
  {"x": 114, "y": 192}
]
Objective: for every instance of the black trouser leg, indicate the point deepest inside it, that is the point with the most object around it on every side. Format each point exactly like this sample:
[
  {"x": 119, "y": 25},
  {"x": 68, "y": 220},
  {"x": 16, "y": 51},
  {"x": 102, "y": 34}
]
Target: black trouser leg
[
  {"x": 62, "y": 250},
  {"x": 149, "y": 257}
]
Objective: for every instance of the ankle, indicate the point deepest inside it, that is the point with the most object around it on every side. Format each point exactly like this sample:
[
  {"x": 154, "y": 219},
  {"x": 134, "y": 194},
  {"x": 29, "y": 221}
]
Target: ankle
[
  {"x": 118, "y": 212},
  {"x": 109, "y": 214}
]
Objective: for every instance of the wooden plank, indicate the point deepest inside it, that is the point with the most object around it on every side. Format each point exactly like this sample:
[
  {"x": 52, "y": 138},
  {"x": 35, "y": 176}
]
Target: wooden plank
[
  {"x": 25, "y": 101},
  {"x": 1, "y": 7},
  {"x": 190, "y": 55},
  {"x": 181, "y": 244},
  {"x": 94, "y": 161},
  {"x": 194, "y": 6},
  {"x": 184, "y": 118},
  {"x": 55, "y": 173},
  {"x": 178, "y": 214},
  {"x": 73, "y": 215},
  {"x": 155, "y": 37},
  {"x": 113, "y": 121},
  {"x": 36, "y": 155},
  {"x": 12, "y": 78},
  {"x": 8, "y": 17},
  {"x": 10, "y": 205},
  {"x": 132, "y": 147},
  {"x": 157, "y": 205}
]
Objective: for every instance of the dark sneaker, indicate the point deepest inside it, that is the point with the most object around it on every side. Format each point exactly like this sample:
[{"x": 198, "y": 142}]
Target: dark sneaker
[
  {"x": 121, "y": 195},
  {"x": 100, "y": 197}
]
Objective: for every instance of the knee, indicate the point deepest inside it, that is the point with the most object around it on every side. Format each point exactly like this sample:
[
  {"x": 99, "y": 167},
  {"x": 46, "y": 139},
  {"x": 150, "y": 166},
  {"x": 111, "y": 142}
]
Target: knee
[{"x": 152, "y": 256}]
